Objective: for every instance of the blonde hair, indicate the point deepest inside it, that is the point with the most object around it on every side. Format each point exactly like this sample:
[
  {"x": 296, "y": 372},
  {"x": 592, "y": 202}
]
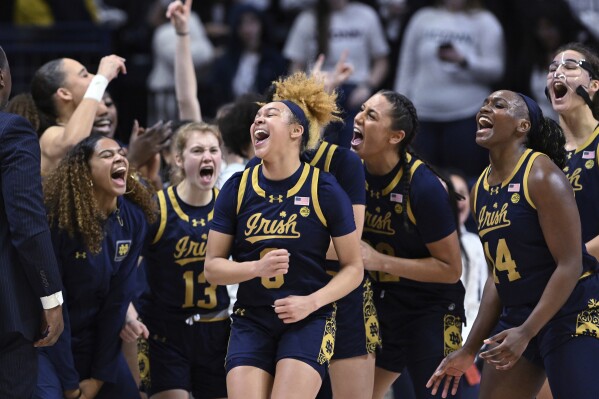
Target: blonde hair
[
  {"x": 309, "y": 94},
  {"x": 182, "y": 137}
]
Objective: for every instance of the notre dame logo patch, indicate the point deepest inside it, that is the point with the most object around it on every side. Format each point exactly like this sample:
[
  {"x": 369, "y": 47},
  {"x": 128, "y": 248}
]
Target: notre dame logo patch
[
  {"x": 452, "y": 333},
  {"x": 327, "y": 346},
  {"x": 587, "y": 322},
  {"x": 121, "y": 250},
  {"x": 143, "y": 358},
  {"x": 371, "y": 321}
]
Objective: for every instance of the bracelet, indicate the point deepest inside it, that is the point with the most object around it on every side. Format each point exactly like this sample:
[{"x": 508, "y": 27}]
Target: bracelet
[
  {"x": 96, "y": 88},
  {"x": 182, "y": 33}
]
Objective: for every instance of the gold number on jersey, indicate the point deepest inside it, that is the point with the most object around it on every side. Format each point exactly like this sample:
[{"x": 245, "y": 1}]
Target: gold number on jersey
[
  {"x": 209, "y": 300},
  {"x": 271, "y": 282},
  {"x": 503, "y": 261},
  {"x": 383, "y": 277}
]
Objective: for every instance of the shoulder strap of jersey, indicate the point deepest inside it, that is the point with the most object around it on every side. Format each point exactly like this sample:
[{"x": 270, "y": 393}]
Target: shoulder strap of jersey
[
  {"x": 531, "y": 160},
  {"x": 314, "y": 195},
  {"x": 242, "y": 186},
  {"x": 162, "y": 207},
  {"x": 215, "y": 192},
  {"x": 319, "y": 153},
  {"x": 477, "y": 185},
  {"x": 415, "y": 165}
]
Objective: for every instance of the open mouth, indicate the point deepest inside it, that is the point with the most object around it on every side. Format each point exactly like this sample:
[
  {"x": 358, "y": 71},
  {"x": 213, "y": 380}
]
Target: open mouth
[
  {"x": 357, "y": 138},
  {"x": 206, "y": 173},
  {"x": 559, "y": 89},
  {"x": 119, "y": 175},
  {"x": 102, "y": 125},
  {"x": 260, "y": 136},
  {"x": 484, "y": 123}
]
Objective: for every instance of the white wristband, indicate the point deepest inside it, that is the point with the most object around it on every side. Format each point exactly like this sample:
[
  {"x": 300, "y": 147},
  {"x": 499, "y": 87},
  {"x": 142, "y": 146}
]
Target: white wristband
[
  {"x": 52, "y": 301},
  {"x": 96, "y": 88}
]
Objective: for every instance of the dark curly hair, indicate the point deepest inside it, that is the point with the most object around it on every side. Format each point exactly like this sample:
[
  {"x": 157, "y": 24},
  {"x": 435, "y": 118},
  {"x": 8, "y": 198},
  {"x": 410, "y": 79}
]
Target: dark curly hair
[
  {"x": 235, "y": 124},
  {"x": 404, "y": 117},
  {"x": 70, "y": 199}
]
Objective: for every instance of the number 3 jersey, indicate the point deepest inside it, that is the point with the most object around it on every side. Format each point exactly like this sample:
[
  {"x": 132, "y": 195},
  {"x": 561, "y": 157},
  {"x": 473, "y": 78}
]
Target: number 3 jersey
[
  {"x": 512, "y": 238},
  {"x": 300, "y": 214},
  {"x": 174, "y": 254}
]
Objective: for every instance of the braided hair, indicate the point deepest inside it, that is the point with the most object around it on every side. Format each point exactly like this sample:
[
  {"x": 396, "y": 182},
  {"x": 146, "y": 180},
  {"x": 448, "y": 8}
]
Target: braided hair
[
  {"x": 545, "y": 134},
  {"x": 404, "y": 117}
]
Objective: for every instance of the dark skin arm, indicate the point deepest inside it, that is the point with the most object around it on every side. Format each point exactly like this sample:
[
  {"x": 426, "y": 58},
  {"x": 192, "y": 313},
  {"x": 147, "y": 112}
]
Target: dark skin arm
[
  {"x": 553, "y": 196},
  {"x": 558, "y": 216}
]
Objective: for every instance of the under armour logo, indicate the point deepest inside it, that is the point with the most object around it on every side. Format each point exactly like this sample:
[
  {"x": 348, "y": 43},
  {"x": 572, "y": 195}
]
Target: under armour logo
[
  {"x": 273, "y": 198},
  {"x": 494, "y": 190},
  {"x": 195, "y": 222},
  {"x": 375, "y": 194},
  {"x": 240, "y": 312},
  {"x": 80, "y": 255}
]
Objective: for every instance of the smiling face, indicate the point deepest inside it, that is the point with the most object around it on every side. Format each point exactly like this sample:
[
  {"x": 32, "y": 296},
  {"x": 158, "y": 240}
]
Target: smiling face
[
  {"x": 109, "y": 168},
  {"x": 200, "y": 159},
  {"x": 565, "y": 74},
  {"x": 501, "y": 116},
  {"x": 372, "y": 128},
  {"x": 106, "y": 117},
  {"x": 272, "y": 130}
]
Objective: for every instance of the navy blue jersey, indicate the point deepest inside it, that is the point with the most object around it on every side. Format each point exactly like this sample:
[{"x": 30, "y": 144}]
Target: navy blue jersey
[
  {"x": 403, "y": 231},
  {"x": 508, "y": 226},
  {"x": 299, "y": 213},
  {"x": 98, "y": 290},
  {"x": 174, "y": 254},
  {"x": 342, "y": 163},
  {"x": 582, "y": 169}
]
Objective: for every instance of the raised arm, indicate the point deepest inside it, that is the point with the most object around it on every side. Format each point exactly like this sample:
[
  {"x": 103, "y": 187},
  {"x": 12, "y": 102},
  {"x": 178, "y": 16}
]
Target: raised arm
[
  {"x": 185, "y": 76},
  {"x": 56, "y": 141}
]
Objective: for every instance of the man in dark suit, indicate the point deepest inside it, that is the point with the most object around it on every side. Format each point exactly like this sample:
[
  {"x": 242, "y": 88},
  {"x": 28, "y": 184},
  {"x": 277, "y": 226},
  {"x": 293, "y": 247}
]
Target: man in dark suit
[{"x": 30, "y": 284}]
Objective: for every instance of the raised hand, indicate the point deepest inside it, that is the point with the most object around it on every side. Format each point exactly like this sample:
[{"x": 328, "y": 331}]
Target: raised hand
[
  {"x": 179, "y": 13},
  {"x": 111, "y": 65},
  {"x": 333, "y": 79}
]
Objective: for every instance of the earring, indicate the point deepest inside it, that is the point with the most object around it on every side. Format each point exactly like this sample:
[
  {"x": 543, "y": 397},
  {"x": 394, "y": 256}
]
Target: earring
[{"x": 91, "y": 183}]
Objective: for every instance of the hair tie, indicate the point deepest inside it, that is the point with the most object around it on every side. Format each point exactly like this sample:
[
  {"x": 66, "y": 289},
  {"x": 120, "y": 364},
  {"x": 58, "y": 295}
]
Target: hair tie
[{"x": 298, "y": 112}]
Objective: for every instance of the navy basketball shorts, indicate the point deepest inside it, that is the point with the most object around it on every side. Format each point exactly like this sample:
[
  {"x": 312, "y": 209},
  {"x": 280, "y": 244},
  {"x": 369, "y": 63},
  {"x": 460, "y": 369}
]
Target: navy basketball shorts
[
  {"x": 358, "y": 330},
  {"x": 410, "y": 337},
  {"x": 567, "y": 347},
  {"x": 260, "y": 339},
  {"x": 190, "y": 357}
]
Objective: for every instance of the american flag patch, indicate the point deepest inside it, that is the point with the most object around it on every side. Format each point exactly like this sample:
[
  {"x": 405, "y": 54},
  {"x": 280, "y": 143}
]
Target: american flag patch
[
  {"x": 513, "y": 188},
  {"x": 395, "y": 197},
  {"x": 588, "y": 154},
  {"x": 304, "y": 201}
]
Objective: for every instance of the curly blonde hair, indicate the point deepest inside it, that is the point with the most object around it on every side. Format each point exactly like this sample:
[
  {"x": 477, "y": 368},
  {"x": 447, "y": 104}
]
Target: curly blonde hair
[
  {"x": 181, "y": 137},
  {"x": 70, "y": 200},
  {"x": 309, "y": 94}
]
